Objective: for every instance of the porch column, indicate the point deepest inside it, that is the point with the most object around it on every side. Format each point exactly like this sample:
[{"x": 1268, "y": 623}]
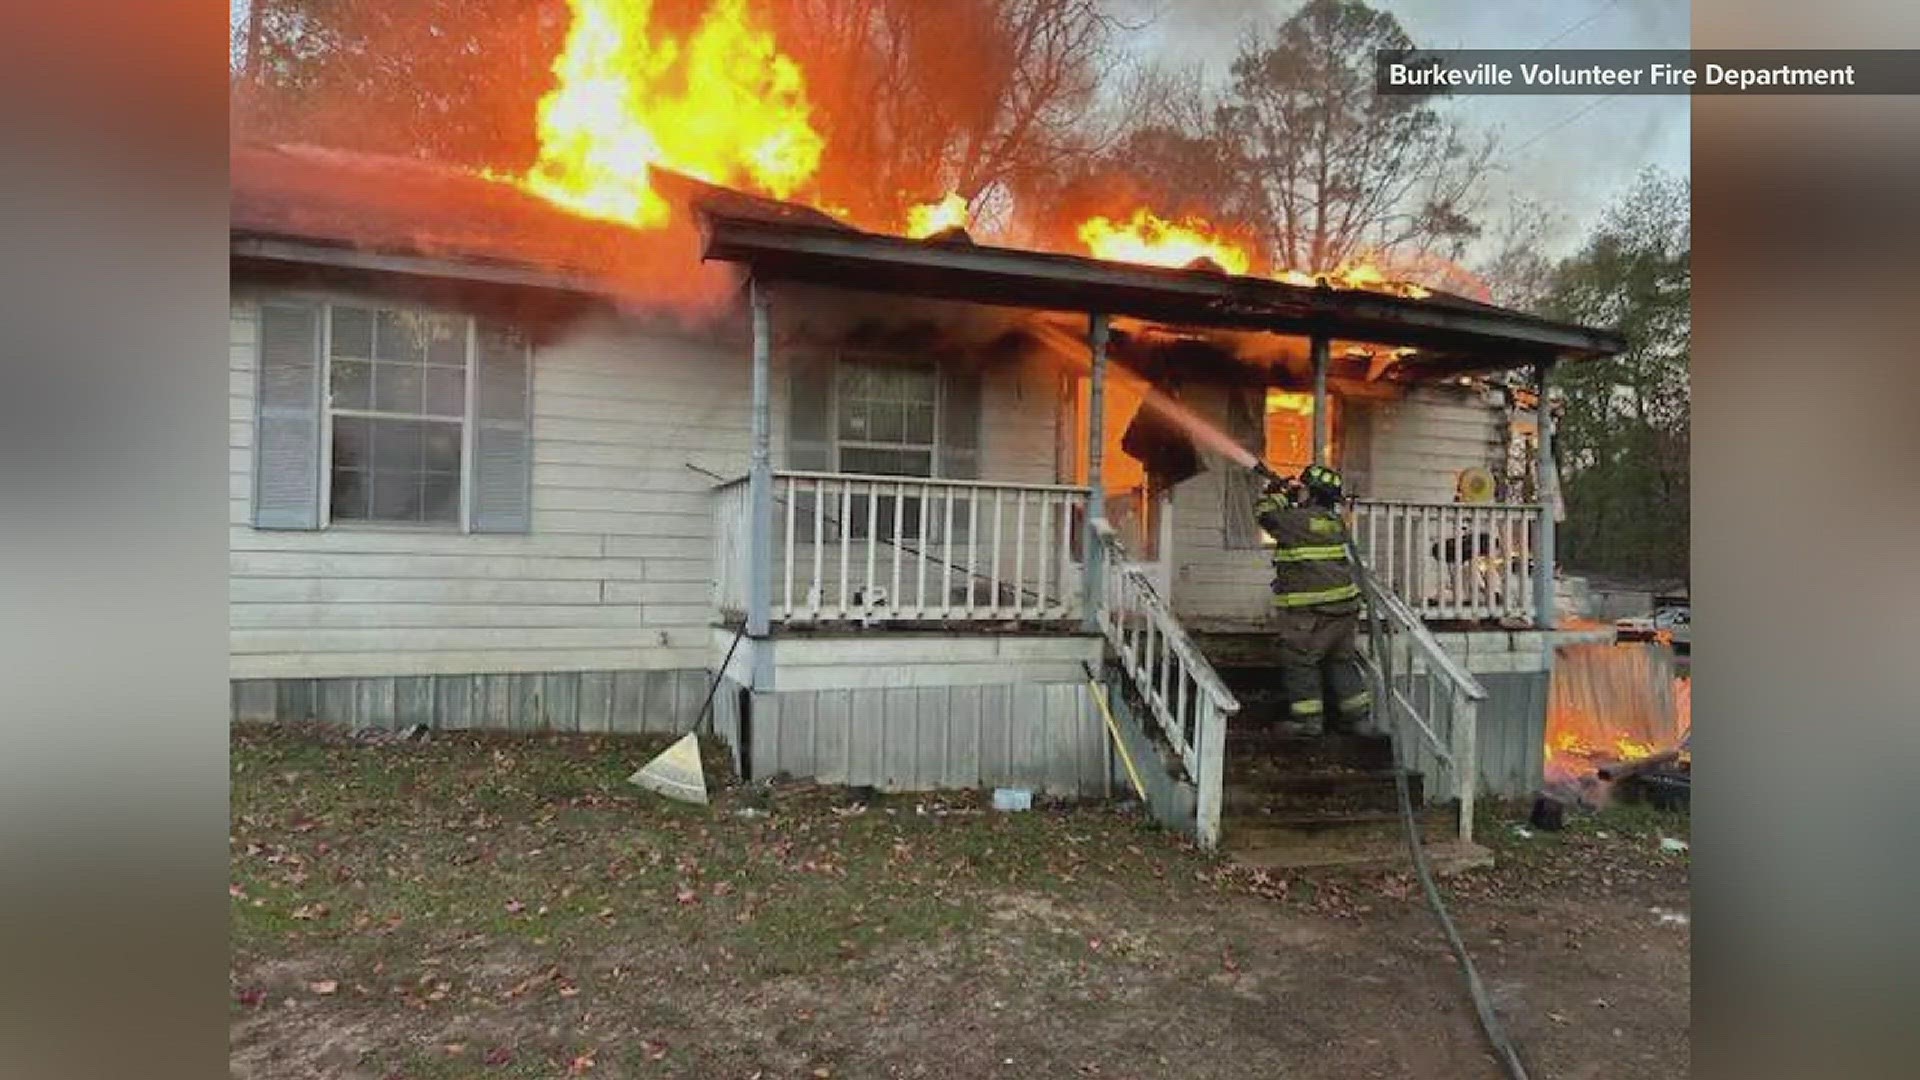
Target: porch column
[
  {"x": 1096, "y": 443},
  {"x": 1543, "y": 485},
  {"x": 760, "y": 476},
  {"x": 1319, "y": 398}
]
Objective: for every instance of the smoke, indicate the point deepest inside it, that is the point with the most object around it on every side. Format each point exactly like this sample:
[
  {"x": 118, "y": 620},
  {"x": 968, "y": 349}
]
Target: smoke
[
  {"x": 384, "y": 204},
  {"x": 1073, "y": 354}
]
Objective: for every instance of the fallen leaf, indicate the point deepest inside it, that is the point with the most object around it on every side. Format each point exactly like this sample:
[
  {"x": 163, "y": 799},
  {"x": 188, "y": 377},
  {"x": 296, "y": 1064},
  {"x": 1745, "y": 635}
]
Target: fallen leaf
[
  {"x": 655, "y": 1050},
  {"x": 499, "y": 1055},
  {"x": 581, "y": 1065},
  {"x": 324, "y": 986}
]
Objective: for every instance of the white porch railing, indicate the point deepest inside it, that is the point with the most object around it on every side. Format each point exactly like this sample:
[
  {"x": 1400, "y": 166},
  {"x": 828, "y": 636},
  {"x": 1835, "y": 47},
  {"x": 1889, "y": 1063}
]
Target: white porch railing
[
  {"x": 851, "y": 548},
  {"x": 1182, "y": 691},
  {"x": 1424, "y": 693},
  {"x": 1453, "y": 560}
]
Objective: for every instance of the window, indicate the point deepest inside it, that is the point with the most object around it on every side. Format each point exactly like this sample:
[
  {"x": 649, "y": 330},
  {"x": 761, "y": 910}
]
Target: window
[
  {"x": 885, "y": 424},
  {"x": 397, "y": 394},
  {"x": 371, "y": 413}
]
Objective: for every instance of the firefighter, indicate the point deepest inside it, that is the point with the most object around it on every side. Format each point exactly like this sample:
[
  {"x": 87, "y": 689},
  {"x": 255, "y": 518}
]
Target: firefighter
[{"x": 1316, "y": 601}]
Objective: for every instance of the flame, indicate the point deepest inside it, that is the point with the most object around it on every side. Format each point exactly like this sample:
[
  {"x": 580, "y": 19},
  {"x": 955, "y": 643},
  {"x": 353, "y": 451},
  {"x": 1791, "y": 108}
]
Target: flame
[
  {"x": 1290, "y": 401},
  {"x": 1606, "y": 706},
  {"x": 1359, "y": 276},
  {"x": 929, "y": 218},
  {"x": 723, "y": 105},
  {"x": 1150, "y": 239}
]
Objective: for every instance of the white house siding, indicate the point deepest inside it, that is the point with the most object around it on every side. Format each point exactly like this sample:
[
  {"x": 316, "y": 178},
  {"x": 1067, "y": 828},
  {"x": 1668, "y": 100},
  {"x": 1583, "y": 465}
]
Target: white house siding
[
  {"x": 615, "y": 574},
  {"x": 1419, "y": 443},
  {"x": 1412, "y": 448}
]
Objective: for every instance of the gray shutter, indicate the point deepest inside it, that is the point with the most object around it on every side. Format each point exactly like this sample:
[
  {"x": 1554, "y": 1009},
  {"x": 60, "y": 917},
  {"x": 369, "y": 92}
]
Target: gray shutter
[
  {"x": 810, "y": 411},
  {"x": 1356, "y": 448},
  {"x": 810, "y": 420},
  {"x": 502, "y": 437},
  {"x": 1246, "y": 423},
  {"x": 286, "y": 431},
  {"x": 959, "y": 448}
]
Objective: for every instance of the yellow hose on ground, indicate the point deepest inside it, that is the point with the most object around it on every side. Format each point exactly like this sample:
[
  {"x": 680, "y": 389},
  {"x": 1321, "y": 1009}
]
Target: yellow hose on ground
[{"x": 1113, "y": 729}]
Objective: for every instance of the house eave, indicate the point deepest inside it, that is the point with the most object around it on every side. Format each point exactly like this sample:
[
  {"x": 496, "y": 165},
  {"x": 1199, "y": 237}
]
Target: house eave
[{"x": 278, "y": 249}]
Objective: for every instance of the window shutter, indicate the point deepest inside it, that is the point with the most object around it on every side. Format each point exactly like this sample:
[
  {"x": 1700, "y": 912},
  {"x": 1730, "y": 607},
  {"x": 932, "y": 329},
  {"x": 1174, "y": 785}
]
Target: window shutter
[
  {"x": 286, "y": 433},
  {"x": 1356, "y": 448},
  {"x": 810, "y": 411},
  {"x": 959, "y": 448},
  {"x": 1246, "y": 424},
  {"x": 502, "y": 464}
]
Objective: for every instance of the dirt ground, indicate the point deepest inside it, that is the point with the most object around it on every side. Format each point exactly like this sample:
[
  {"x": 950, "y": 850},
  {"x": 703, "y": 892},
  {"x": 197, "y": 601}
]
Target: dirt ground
[{"x": 510, "y": 907}]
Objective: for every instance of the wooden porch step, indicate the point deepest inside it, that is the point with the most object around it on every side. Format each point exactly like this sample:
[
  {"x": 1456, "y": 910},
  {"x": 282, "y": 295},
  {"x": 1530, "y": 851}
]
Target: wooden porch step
[
  {"x": 1266, "y": 743},
  {"x": 1272, "y": 791}
]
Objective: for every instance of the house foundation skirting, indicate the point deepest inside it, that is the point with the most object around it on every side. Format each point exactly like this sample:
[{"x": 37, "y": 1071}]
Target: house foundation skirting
[
  {"x": 568, "y": 701},
  {"x": 1047, "y": 737}
]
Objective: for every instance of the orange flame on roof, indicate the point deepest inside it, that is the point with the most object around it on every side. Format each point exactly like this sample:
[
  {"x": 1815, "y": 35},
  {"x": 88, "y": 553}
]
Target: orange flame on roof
[
  {"x": 1153, "y": 240},
  {"x": 723, "y": 105},
  {"x": 929, "y": 218},
  {"x": 1357, "y": 276}
]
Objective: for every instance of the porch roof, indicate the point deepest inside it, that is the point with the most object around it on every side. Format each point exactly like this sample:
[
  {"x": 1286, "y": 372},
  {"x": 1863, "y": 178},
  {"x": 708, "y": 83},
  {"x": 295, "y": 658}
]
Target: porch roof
[
  {"x": 1455, "y": 335},
  {"x": 370, "y": 213}
]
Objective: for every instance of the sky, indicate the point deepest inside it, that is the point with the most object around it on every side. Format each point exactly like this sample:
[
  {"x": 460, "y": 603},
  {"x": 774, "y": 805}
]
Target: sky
[{"x": 1575, "y": 154}]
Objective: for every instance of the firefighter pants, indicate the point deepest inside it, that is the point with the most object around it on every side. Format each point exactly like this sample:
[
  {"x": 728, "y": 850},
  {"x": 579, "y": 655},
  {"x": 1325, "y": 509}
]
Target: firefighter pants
[{"x": 1319, "y": 661}]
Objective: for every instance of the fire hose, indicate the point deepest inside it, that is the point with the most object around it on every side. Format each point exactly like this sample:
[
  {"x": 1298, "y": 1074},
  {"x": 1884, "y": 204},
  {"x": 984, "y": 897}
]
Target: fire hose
[{"x": 1482, "y": 1004}]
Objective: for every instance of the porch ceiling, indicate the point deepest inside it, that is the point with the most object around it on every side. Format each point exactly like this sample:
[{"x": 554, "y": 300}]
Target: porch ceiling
[{"x": 1455, "y": 335}]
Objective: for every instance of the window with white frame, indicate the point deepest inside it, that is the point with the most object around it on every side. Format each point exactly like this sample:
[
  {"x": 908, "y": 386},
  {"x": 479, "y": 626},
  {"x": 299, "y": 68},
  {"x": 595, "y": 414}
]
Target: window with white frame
[
  {"x": 397, "y": 401},
  {"x": 886, "y": 422},
  {"x": 394, "y": 415}
]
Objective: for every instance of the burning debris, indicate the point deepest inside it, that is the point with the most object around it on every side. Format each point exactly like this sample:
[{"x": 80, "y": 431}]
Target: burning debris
[{"x": 1618, "y": 715}]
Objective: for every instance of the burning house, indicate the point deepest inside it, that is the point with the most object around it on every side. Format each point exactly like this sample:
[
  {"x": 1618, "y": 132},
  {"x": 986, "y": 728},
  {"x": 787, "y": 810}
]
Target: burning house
[{"x": 555, "y": 452}]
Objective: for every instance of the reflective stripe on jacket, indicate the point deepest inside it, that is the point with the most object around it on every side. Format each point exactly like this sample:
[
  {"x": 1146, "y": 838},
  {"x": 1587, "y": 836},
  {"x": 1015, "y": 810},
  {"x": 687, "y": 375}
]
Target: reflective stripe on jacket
[{"x": 1310, "y": 564}]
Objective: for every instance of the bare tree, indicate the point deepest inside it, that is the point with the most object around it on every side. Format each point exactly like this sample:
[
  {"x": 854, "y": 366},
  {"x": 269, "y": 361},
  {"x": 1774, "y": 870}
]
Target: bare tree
[
  {"x": 915, "y": 99},
  {"x": 1517, "y": 272},
  {"x": 1344, "y": 172}
]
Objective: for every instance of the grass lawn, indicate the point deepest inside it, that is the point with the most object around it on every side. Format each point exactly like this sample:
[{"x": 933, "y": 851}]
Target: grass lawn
[{"x": 511, "y": 907}]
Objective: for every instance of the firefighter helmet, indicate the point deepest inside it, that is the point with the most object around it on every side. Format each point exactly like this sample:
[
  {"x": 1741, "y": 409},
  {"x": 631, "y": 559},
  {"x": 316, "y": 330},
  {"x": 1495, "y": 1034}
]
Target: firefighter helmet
[{"x": 1323, "y": 484}]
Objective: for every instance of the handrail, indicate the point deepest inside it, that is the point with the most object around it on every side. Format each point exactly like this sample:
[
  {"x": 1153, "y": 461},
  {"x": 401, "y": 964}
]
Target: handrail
[
  {"x": 1177, "y": 639},
  {"x": 1448, "y": 719},
  {"x": 929, "y": 481},
  {"x": 853, "y": 547},
  {"x": 1161, "y": 662},
  {"x": 1431, "y": 650}
]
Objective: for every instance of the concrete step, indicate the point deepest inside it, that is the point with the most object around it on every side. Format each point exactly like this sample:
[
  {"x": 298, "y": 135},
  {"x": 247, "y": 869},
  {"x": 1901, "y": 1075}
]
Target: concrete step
[
  {"x": 1445, "y": 857},
  {"x": 1278, "y": 791}
]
